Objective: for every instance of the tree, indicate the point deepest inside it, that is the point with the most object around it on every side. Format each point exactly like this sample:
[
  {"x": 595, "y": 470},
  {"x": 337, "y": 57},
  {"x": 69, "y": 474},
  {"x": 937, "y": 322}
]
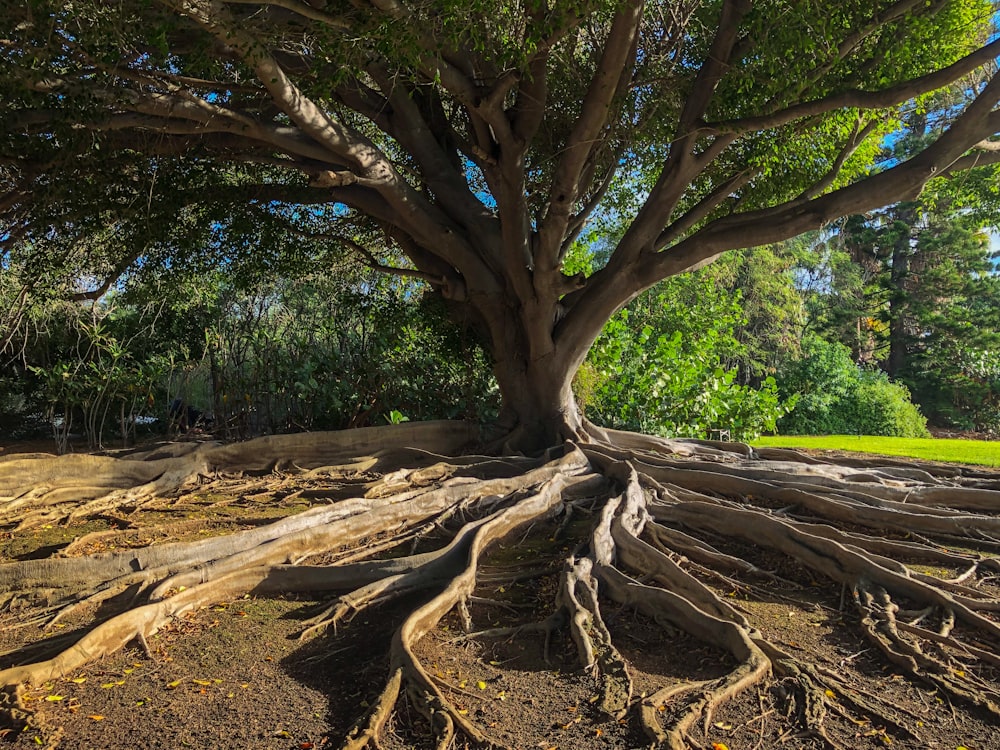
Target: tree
[
  {"x": 467, "y": 145},
  {"x": 929, "y": 301},
  {"x": 481, "y": 140}
]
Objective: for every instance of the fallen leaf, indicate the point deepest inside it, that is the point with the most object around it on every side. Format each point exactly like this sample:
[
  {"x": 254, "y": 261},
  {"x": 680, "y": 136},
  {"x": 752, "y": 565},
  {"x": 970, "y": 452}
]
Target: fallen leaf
[
  {"x": 96, "y": 717},
  {"x": 79, "y": 680},
  {"x": 53, "y": 698},
  {"x": 723, "y": 725},
  {"x": 481, "y": 685},
  {"x": 830, "y": 694},
  {"x": 719, "y": 746},
  {"x": 202, "y": 682},
  {"x": 108, "y": 685},
  {"x": 172, "y": 685}
]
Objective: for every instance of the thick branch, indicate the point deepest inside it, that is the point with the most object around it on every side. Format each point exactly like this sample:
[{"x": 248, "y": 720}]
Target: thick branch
[
  {"x": 883, "y": 99},
  {"x": 594, "y": 115}
]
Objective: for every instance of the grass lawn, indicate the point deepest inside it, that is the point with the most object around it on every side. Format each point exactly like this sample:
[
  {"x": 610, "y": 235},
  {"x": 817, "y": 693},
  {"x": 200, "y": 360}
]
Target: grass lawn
[{"x": 981, "y": 452}]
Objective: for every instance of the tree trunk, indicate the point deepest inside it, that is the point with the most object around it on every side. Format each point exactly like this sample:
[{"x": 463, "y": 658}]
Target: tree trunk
[
  {"x": 900, "y": 283},
  {"x": 534, "y": 371},
  {"x": 539, "y": 409}
]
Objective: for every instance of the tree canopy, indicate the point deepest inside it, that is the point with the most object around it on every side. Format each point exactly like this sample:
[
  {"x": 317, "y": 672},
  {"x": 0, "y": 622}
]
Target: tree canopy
[{"x": 468, "y": 144}]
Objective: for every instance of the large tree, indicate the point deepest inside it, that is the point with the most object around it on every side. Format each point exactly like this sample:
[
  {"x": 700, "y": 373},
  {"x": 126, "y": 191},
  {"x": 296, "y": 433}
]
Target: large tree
[
  {"x": 468, "y": 144},
  {"x": 479, "y": 139}
]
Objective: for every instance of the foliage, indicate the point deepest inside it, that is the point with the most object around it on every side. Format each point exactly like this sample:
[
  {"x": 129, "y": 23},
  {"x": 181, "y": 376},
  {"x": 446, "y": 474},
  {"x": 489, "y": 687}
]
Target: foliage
[
  {"x": 299, "y": 353},
  {"x": 315, "y": 352},
  {"x": 93, "y": 372},
  {"x": 836, "y": 396},
  {"x": 658, "y": 366}
]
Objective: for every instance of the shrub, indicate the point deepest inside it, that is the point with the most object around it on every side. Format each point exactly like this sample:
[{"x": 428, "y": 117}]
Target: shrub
[
  {"x": 837, "y": 397},
  {"x": 658, "y": 367}
]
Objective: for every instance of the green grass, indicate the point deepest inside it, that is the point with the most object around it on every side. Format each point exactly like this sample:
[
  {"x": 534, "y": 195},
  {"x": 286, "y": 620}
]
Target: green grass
[{"x": 979, "y": 452}]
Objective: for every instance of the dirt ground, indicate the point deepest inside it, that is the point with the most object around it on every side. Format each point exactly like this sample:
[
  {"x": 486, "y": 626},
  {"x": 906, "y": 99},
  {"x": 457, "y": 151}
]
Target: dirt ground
[{"x": 235, "y": 674}]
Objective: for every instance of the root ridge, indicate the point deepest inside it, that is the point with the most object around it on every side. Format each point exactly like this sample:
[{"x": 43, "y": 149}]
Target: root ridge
[{"x": 695, "y": 537}]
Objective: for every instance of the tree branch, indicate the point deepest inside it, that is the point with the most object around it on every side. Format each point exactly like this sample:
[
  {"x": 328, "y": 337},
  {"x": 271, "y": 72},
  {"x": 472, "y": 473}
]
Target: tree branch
[
  {"x": 888, "y": 97},
  {"x": 594, "y": 115},
  {"x": 412, "y": 211},
  {"x": 299, "y": 8},
  {"x": 715, "y": 65}
]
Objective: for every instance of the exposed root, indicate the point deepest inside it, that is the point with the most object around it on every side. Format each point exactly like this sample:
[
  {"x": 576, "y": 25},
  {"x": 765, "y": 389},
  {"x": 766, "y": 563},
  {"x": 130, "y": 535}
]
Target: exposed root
[{"x": 695, "y": 536}]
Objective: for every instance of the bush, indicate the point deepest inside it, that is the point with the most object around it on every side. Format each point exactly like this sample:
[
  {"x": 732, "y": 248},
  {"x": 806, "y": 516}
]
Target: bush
[
  {"x": 658, "y": 367},
  {"x": 837, "y": 397}
]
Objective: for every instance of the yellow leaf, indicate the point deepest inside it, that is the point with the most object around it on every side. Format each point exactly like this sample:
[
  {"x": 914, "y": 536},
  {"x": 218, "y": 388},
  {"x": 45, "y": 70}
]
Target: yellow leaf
[
  {"x": 723, "y": 725},
  {"x": 96, "y": 717},
  {"x": 79, "y": 680},
  {"x": 960, "y": 672},
  {"x": 202, "y": 682},
  {"x": 830, "y": 694},
  {"x": 172, "y": 685},
  {"x": 719, "y": 746},
  {"x": 53, "y": 697},
  {"x": 108, "y": 685},
  {"x": 463, "y": 711},
  {"x": 481, "y": 685}
]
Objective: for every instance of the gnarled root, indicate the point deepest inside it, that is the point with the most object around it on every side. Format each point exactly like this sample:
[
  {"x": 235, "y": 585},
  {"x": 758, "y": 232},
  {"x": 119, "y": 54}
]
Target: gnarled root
[{"x": 693, "y": 536}]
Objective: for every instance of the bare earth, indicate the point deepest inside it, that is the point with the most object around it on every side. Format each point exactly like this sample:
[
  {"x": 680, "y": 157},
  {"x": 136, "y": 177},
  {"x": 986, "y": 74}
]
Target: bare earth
[{"x": 236, "y": 674}]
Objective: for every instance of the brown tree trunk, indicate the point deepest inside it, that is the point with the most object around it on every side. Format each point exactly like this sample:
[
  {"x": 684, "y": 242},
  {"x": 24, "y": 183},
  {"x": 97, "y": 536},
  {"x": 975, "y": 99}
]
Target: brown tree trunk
[
  {"x": 539, "y": 409},
  {"x": 535, "y": 373}
]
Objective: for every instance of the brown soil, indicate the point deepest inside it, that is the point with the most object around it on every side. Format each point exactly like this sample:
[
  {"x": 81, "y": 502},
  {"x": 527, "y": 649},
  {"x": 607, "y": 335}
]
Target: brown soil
[{"x": 235, "y": 674}]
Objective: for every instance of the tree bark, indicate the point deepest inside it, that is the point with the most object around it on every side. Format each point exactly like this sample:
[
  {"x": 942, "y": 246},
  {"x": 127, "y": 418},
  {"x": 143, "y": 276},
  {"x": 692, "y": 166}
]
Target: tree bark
[{"x": 534, "y": 370}]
